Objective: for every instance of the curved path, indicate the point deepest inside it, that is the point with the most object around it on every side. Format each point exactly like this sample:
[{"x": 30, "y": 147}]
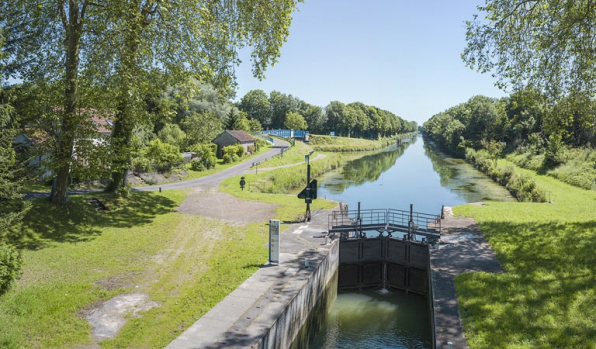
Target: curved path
[{"x": 221, "y": 175}]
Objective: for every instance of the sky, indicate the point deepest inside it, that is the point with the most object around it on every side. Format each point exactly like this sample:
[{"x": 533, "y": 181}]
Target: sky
[{"x": 398, "y": 55}]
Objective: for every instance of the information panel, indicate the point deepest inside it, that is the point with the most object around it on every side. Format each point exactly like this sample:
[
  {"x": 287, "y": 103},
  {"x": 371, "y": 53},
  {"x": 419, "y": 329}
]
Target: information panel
[{"x": 274, "y": 241}]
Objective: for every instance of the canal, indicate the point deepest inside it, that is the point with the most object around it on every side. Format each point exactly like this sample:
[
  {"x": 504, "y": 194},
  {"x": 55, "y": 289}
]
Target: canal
[{"x": 414, "y": 173}]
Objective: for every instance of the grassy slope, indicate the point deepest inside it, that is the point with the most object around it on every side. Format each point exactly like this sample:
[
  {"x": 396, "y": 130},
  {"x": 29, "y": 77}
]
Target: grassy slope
[
  {"x": 547, "y": 297},
  {"x": 75, "y": 257}
]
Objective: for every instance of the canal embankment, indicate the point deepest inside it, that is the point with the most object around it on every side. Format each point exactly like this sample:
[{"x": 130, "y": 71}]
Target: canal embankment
[
  {"x": 269, "y": 309},
  {"x": 463, "y": 249}
]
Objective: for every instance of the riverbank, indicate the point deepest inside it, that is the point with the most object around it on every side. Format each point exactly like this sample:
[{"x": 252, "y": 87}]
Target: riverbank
[{"x": 546, "y": 297}]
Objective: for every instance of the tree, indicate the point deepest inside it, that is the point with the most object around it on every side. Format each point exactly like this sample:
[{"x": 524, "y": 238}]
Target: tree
[
  {"x": 544, "y": 44},
  {"x": 201, "y": 127},
  {"x": 257, "y": 107},
  {"x": 187, "y": 39},
  {"x": 295, "y": 121},
  {"x": 233, "y": 121},
  {"x": 12, "y": 207},
  {"x": 45, "y": 39}
]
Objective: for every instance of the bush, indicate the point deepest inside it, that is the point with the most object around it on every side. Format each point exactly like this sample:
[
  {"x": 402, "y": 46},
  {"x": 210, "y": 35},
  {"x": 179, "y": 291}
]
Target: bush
[
  {"x": 163, "y": 155},
  {"x": 227, "y": 159},
  {"x": 10, "y": 267},
  {"x": 141, "y": 164},
  {"x": 196, "y": 164},
  {"x": 251, "y": 149},
  {"x": 260, "y": 143},
  {"x": 236, "y": 149}
]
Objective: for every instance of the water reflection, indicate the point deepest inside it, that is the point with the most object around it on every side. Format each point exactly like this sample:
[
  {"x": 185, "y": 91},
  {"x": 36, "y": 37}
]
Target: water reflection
[
  {"x": 421, "y": 176},
  {"x": 370, "y": 319},
  {"x": 368, "y": 168}
]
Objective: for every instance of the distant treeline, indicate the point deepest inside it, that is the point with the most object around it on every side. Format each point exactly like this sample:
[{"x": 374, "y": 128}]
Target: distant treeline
[
  {"x": 350, "y": 120},
  {"x": 526, "y": 121}
]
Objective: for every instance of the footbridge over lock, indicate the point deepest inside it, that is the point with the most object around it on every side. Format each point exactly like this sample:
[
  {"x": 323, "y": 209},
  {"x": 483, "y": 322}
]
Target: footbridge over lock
[{"x": 385, "y": 248}]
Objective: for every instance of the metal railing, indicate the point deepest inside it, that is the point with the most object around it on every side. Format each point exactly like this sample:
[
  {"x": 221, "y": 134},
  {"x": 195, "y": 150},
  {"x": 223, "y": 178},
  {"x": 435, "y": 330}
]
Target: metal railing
[{"x": 389, "y": 220}]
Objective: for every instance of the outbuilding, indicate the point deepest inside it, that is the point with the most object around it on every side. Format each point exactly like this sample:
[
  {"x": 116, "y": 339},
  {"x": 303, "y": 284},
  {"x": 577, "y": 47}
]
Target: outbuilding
[{"x": 230, "y": 137}]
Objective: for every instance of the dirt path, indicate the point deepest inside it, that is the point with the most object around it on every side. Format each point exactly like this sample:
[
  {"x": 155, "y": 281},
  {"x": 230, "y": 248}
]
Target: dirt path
[{"x": 207, "y": 201}]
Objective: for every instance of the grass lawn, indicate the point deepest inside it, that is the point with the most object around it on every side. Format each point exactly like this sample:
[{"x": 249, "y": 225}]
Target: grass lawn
[
  {"x": 75, "y": 257},
  {"x": 294, "y": 155},
  {"x": 547, "y": 297}
]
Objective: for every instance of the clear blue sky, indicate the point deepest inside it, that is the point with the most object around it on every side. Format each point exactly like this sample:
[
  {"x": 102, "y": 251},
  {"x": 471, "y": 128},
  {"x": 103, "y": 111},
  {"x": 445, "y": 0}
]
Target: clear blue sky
[{"x": 398, "y": 55}]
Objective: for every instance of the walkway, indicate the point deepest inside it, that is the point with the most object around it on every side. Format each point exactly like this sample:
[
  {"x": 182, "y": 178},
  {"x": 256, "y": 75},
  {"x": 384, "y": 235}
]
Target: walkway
[
  {"x": 463, "y": 249},
  {"x": 221, "y": 175}
]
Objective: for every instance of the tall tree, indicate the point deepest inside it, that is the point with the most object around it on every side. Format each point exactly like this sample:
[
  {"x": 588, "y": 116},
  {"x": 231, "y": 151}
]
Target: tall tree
[
  {"x": 547, "y": 45},
  {"x": 257, "y": 107},
  {"x": 45, "y": 39},
  {"x": 187, "y": 39},
  {"x": 12, "y": 206},
  {"x": 295, "y": 121}
]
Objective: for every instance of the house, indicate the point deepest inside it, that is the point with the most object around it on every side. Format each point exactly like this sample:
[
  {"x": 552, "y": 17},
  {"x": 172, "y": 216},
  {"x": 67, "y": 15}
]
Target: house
[
  {"x": 230, "y": 137},
  {"x": 94, "y": 133}
]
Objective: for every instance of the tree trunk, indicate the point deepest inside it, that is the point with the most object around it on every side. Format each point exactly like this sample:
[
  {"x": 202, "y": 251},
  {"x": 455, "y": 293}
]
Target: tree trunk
[
  {"x": 68, "y": 129},
  {"x": 126, "y": 114}
]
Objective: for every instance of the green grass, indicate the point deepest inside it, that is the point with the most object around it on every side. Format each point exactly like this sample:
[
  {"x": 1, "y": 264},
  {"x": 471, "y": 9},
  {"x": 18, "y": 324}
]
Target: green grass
[
  {"x": 282, "y": 180},
  {"x": 346, "y": 144},
  {"x": 547, "y": 296},
  {"x": 294, "y": 155},
  {"x": 75, "y": 257},
  {"x": 578, "y": 168}
]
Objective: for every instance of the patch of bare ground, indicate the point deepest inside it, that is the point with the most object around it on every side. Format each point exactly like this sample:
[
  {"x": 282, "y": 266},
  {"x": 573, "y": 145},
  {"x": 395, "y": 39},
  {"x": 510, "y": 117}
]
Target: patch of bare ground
[
  {"x": 209, "y": 217},
  {"x": 209, "y": 202}
]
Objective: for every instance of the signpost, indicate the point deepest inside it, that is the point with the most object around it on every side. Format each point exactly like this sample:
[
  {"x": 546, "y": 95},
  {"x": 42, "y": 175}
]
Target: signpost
[
  {"x": 274, "y": 241},
  {"x": 310, "y": 192}
]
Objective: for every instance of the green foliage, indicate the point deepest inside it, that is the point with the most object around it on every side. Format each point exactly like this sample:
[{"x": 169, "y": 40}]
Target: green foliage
[
  {"x": 260, "y": 143},
  {"x": 12, "y": 172},
  {"x": 234, "y": 149},
  {"x": 10, "y": 267},
  {"x": 172, "y": 134},
  {"x": 554, "y": 154},
  {"x": 205, "y": 157},
  {"x": 295, "y": 121},
  {"x": 163, "y": 155},
  {"x": 257, "y": 107},
  {"x": 535, "y": 43},
  {"x": 282, "y": 180},
  {"x": 141, "y": 164},
  {"x": 344, "y": 144},
  {"x": 523, "y": 187}
]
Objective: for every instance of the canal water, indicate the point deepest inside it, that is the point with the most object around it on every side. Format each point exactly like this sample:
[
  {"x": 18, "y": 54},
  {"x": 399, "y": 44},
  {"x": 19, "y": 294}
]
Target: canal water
[{"x": 414, "y": 173}]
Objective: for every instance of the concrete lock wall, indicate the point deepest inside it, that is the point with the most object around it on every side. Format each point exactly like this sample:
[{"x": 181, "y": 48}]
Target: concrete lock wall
[{"x": 315, "y": 297}]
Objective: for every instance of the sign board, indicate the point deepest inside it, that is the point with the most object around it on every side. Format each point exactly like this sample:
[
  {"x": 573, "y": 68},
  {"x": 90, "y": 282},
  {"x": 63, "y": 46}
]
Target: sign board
[
  {"x": 310, "y": 192},
  {"x": 332, "y": 133},
  {"x": 274, "y": 241}
]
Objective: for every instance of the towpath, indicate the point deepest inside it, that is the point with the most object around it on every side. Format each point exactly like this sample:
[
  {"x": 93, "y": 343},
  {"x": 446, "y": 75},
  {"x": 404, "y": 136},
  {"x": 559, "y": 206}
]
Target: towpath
[{"x": 463, "y": 249}]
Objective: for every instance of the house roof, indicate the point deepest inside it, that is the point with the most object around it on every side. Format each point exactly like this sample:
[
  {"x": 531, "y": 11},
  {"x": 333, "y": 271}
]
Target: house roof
[{"x": 241, "y": 136}]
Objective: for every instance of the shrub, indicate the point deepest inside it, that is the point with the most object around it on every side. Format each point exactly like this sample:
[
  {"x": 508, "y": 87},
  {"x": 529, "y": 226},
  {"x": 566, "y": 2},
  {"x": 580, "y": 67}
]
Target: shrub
[
  {"x": 227, "y": 158},
  {"x": 10, "y": 267},
  {"x": 196, "y": 164},
  {"x": 141, "y": 164},
  {"x": 554, "y": 154},
  {"x": 259, "y": 143},
  {"x": 251, "y": 149},
  {"x": 236, "y": 149},
  {"x": 163, "y": 155}
]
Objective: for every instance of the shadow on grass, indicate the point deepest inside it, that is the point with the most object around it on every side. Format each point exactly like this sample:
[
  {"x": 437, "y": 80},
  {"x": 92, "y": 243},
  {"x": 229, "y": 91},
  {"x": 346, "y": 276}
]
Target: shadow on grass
[
  {"x": 78, "y": 221},
  {"x": 546, "y": 297}
]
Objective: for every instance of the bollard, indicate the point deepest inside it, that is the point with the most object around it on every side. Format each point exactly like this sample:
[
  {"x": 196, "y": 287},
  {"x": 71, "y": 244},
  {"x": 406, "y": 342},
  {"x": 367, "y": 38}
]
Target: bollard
[
  {"x": 326, "y": 240},
  {"x": 160, "y": 189},
  {"x": 306, "y": 263},
  {"x": 449, "y": 345}
]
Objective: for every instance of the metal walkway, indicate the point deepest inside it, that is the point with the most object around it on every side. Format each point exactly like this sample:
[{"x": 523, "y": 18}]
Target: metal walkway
[{"x": 385, "y": 220}]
